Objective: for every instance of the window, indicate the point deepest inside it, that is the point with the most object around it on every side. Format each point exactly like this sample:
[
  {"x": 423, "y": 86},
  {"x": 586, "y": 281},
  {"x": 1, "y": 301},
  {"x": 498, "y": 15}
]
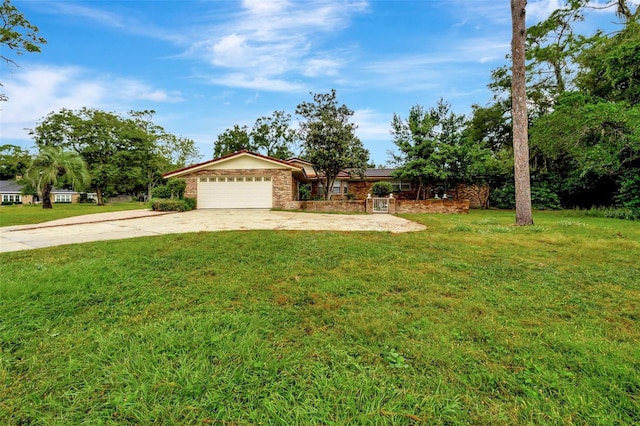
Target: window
[
  {"x": 11, "y": 198},
  {"x": 401, "y": 185},
  {"x": 267, "y": 179},
  {"x": 248, "y": 179},
  {"x": 203, "y": 179},
  {"x": 213, "y": 179},
  {"x": 62, "y": 198},
  {"x": 258, "y": 179}
]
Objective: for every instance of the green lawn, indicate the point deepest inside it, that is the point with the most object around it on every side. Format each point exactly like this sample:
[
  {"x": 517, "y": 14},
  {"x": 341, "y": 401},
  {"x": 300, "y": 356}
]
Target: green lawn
[
  {"x": 23, "y": 214},
  {"x": 473, "y": 321}
]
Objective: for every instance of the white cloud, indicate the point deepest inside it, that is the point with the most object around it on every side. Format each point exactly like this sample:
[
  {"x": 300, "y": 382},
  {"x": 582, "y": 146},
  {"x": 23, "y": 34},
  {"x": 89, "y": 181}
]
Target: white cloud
[
  {"x": 36, "y": 91},
  {"x": 267, "y": 41}
]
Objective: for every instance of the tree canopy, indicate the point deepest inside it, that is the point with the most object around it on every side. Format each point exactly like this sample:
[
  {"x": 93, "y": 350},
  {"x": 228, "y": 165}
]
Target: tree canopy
[
  {"x": 328, "y": 139},
  {"x": 53, "y": 166},
  {"x": 17, "y": 34}
]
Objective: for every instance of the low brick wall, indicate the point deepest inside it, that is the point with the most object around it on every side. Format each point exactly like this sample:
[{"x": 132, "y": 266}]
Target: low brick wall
[
  {"x": 431, "y": 206},
  {"x": 333, "y": 206}
]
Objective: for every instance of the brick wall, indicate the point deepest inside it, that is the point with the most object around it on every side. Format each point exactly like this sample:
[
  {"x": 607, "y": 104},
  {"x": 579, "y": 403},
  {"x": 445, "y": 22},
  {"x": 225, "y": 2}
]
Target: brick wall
[
  {"x": 333, "y": 206},
  {"x": 432, "y": 206}
]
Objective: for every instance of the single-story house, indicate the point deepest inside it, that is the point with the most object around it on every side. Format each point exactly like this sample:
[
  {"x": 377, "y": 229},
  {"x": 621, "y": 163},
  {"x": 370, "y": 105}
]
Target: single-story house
[
  {"x": 242, "y": 180},
  {"x": 11, "y": 193},
  {"x": 247, "y": 179}
]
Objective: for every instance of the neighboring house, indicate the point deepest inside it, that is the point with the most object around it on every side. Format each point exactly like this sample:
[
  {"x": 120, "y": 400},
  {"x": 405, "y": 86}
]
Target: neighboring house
[
  {"x": 250, "y": 180},
  {"x": 10, "y": 193}
]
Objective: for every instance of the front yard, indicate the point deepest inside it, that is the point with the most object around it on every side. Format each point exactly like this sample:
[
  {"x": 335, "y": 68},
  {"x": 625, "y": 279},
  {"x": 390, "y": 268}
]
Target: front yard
[
  {"x": 24, "y": 214},
  {"x": 473, "y": 321}
]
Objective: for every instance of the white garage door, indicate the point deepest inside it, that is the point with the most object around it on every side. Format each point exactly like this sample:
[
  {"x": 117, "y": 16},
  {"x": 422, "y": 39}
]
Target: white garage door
[{"x": 235, "y": 192}]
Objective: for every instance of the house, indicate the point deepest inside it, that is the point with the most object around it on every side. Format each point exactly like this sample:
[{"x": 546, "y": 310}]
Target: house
[
  {"x": 243, "y": 180},
  {"x": 347, "y": 183},
  {"x": 247, "y": 179},
  {"x": 11, "y": 193}
]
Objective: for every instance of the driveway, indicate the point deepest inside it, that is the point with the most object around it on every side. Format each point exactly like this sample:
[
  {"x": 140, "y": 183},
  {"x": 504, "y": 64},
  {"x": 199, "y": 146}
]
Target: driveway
[{"x": 141, "y": 223}]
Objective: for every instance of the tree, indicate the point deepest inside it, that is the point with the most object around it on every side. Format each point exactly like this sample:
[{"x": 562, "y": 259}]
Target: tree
[
  {"x": 328, "y": 139},
  {"x": 117, "y": 151},
  {"x": 14, "y": 161},
  {"x": 168, "y": 152},
  {"x": 273, "y": 135},
  {"x": 17, "y": 34},
  {"x": 434, "y": 147},
  {"x": 54, "y": 167},
  {"x": 232, "y": 140},
  {"x": 520, "y": 119}
]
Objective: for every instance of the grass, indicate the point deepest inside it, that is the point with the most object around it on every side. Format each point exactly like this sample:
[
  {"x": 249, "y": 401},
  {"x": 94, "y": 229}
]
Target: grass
[
  {"x": 24, "y": 214},
  {"x": 473, "y": 321}
]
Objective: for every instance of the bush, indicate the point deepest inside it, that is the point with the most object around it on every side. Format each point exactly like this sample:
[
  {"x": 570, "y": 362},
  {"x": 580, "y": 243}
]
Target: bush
[
  {"x": 381, "y": 189},
  {"x": 161, "y": 191},
  {"x": 503, "y": 197},
  {"x": 542, "y": 198},
  {"x": 84, "y": 198},
  {"x": 190, "y": 203},
  {"x": 614, "y": 213},
  {"x": 174, "y": 188},
  {"x": 305, "y": 192},
  {"x": 164, "y": 205}
]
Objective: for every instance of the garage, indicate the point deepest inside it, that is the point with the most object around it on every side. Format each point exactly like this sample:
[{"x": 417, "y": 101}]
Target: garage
[
  {"x": 242, "y": 180},
  {"x": 235, "y": 192}
]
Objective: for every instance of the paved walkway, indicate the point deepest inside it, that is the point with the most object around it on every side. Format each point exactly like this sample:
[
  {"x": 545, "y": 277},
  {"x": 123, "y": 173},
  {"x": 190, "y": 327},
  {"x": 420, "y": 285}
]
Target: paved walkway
[{"x": 140, "y": 223}]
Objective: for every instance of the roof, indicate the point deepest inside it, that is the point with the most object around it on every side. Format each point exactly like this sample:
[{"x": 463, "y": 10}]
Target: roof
[
  {"x": 195, "y": 167},
  {"x": 13, "y": 187},
  {"x": 10, "y": 187}
]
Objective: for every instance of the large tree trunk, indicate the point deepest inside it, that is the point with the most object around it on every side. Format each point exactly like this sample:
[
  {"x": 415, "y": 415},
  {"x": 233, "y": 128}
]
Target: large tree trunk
[
  {"x": 46, "y": 196},
  {"x": 524, "y": 214}
]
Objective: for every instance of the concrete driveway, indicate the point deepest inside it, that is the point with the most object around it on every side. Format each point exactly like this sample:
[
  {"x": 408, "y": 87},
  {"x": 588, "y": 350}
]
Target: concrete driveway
[{"x": 140, "y": 223}]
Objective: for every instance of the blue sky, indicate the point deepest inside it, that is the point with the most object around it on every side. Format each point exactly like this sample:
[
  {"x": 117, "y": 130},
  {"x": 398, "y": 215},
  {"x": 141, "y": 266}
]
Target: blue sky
[{"x": 204, "y": 66}]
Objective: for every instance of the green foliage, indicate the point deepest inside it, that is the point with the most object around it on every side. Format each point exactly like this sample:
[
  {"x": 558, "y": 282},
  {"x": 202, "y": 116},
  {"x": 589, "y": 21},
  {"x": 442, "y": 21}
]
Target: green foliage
[
  {"x": 190, "y": 203},
  {"x": 84, "y": 198},
  {"x": 14, "y": 161},
  {"x": 305, "y": 192},
  {"x": 436, "y": 146},
  {"x": 381, "y": 189},
  {"x": 329, "y": 141},
  {"x": 174, "y": 188},
  {"x": 175, "y": 205},
  {"x": 55, "y": 167},
  {"x": 503, "y": 197},
  {"x": 233, "y": 140},
  {"x": 492, "y": 324},
  {"x": 161, "y": 191},
  {"x": 614, "y": 213},
  {"x": 542, "y": 197},
  {"x": 17, "y": 35},
  {"x": 629, "y": 195},
  {"x": 274, "y": 136}
]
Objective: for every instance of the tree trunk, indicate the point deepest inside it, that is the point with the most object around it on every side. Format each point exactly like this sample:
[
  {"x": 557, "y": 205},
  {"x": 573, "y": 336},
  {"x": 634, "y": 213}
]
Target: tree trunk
[
  {"x": 99, "y": 196},
  {"x": 46, "y": 196},
  {"x": 520, "y": 120}
]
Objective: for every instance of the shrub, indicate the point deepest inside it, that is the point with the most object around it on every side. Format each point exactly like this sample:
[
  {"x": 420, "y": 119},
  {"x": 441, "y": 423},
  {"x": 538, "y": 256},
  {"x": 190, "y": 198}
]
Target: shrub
[
  {"x": 614, "y": 213},
  {"x": 182, "y": 205},
  {"x": 174, "y": 188},
  {"x": 381, "y": 189},
  {"x": 190, "y": 203},
  {"x": 543, "y": 198},
  {"x": 161, "y": 191},
  {"x": 305, "y": 192},
  {"x": 84, "y": 198},
  {"x": 503, "y": 197}
]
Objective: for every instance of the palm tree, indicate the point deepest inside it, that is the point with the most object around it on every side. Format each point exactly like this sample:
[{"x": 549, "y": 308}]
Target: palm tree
[{"x": 53, "y": 166}]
